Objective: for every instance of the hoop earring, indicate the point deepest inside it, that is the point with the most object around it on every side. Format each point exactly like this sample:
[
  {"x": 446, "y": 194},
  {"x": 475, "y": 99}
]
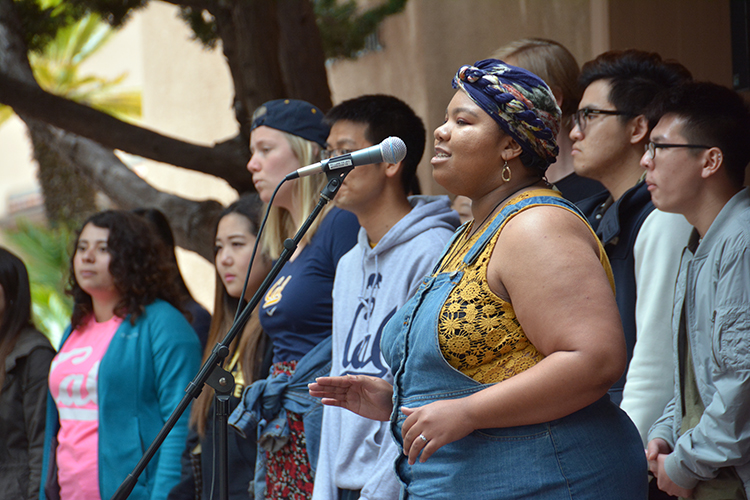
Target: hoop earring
[{"x": 505, "y": 175}]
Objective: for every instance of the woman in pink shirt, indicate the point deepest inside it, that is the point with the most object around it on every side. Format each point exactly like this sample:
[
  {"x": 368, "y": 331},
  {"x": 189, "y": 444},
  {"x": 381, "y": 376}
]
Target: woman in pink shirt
[{"x": 122, "y": 367}]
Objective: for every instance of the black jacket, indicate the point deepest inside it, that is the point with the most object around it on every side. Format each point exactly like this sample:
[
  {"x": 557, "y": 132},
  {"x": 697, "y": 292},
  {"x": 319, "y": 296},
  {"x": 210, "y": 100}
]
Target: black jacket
[
  {"x": 617, "y": 225},
  {"x": 23, "y": 402}
]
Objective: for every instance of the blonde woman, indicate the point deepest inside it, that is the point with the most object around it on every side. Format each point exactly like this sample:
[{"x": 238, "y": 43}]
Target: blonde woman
[{"x": 296, "y": 311}]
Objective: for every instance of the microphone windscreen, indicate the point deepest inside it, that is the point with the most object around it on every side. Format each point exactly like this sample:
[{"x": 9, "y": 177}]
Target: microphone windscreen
[{"x": 393, "y": 150}]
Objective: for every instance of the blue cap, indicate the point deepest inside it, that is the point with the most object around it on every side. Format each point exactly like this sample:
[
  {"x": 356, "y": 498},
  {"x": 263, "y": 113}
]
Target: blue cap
[{"x": 295, "y": 117}]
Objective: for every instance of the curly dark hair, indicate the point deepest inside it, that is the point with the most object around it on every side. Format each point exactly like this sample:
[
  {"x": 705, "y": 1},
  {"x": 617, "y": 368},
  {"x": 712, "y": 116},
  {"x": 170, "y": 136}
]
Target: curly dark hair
[{"x": 140, "y": 267}]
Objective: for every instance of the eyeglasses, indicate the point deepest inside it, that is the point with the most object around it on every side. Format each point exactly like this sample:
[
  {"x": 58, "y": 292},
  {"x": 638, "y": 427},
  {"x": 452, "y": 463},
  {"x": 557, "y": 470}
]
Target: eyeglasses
[
  {"x": 582, "y": 116},
  {"x": 331, "y": 153},
  {"x": 651, "y": 147}
]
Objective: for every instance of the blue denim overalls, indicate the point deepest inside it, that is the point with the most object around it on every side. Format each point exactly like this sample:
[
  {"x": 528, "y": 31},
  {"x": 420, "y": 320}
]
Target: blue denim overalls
[{"x": 595, "y": 453}]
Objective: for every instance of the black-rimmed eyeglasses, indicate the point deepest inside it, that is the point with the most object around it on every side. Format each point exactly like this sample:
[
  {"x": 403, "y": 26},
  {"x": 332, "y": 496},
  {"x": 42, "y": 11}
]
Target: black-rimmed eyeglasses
[
  {"x": 651, "y": 147},
  {"x": 582, "y": 116},
  {"x": 332, "y": 153}
]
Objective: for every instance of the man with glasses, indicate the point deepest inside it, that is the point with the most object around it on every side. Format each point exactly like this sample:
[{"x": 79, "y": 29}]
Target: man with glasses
[
  {"x": 695, "y": 166},
  {"x": 400, "y": 239},
  {"x": 643, "y": 245}
]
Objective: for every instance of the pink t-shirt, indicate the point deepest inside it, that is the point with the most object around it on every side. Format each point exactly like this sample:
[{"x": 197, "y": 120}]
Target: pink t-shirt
[{"x": 73, "y": 382}]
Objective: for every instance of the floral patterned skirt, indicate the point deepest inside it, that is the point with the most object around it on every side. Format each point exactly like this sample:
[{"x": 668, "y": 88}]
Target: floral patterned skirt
[{"x": 288, "y": 473}]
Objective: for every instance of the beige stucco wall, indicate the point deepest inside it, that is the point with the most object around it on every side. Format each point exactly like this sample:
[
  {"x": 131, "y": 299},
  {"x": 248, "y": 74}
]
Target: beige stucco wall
[
  {"x": 187, "y": 93},
  {"x": 424, "y": 46}
]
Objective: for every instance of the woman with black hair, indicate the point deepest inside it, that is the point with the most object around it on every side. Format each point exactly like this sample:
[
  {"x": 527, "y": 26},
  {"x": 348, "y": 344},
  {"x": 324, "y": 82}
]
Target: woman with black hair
[
  {"x": 122, "y": 368},
  {"x": 199, "y": 318},
  {"x": 248, "y": 359},
  {"x": 25, "y": 355}
]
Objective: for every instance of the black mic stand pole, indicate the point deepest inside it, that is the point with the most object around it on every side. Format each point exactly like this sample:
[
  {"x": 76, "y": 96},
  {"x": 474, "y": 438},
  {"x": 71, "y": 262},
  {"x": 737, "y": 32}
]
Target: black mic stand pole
[{"x": 212, "y": 372}]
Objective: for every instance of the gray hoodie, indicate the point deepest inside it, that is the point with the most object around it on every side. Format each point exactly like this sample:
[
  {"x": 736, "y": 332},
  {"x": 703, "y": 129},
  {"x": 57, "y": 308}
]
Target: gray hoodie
[{"x": 370, "y": 285}]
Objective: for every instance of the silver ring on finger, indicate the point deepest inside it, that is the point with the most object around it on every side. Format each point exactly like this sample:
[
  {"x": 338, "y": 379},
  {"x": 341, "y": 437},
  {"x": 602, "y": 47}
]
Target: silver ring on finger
[{"x": 423, "y": 438}]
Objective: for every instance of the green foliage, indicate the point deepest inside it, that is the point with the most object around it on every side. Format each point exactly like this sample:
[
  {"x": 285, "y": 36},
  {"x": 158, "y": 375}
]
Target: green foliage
[
  {"x": 43, "y": 18},
  {"x": 5, "y": 113},
  {"x": 57, "y": 70},
  {"x": 344, "y": 31},
  {"x": 46, "y": 254},
  {"x": 114, "y": 12}
]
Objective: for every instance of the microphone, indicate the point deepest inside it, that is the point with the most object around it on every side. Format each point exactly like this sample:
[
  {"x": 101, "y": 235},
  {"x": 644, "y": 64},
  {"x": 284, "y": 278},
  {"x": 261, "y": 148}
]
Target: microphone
[{"x": 391, "y": 150}]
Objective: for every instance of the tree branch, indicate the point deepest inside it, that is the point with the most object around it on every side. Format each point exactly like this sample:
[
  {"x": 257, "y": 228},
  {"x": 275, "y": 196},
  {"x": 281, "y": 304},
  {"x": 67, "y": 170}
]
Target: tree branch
[
  {"x": 192, "y": 221},
  {"x": 226, "y": 160}
]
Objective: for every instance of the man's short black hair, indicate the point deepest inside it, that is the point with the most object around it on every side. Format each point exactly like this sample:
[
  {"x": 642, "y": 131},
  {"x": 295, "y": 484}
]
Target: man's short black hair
[
  {"x": 713, "y": 116},
  {"x": 387, "y": 116},
  {"x": 635, "y": 77}
]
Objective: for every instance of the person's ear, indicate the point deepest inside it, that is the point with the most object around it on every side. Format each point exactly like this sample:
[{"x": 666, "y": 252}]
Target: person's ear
[
  {"x": 713, "y": 161},
  {"x": 393, "y": 169},
  {"x": 511, "y": 149},
  {"x": 639, "y": 130}
]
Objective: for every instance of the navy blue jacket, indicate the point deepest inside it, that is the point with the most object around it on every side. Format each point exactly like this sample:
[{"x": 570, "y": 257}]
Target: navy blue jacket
[{"x": 617, "y": 225}]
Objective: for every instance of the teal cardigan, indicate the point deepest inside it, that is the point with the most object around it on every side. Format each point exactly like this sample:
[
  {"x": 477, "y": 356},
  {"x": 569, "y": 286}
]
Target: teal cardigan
[{"x": 142, "y": 378}]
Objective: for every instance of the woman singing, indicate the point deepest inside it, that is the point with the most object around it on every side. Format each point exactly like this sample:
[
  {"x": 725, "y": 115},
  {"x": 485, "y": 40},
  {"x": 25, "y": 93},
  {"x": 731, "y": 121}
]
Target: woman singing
[{"x": 503, "y": 357}]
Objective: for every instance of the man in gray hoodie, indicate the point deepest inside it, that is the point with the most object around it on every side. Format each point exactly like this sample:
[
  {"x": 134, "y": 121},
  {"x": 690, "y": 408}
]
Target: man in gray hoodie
[{"x": 400, "y": 239}]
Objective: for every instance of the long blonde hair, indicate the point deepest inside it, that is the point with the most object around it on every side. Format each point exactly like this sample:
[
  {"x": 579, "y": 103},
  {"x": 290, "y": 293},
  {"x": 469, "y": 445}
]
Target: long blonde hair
[{"x": 305, "y": 194}]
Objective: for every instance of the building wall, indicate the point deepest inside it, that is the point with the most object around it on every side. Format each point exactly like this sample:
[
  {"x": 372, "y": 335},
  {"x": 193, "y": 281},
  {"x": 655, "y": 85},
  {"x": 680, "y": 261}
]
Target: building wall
[
  {"x": 187, "y": 93},
  {"x": 694, "y": 32},
  {"x": 424, "y": 47}
]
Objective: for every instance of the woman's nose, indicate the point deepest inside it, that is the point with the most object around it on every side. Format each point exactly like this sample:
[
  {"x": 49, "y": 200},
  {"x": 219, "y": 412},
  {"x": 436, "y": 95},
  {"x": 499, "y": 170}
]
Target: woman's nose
[
  {"x": 253, "y": 165},
  {"x": 441, "y": 133},
  {"x": 88, "y": 255}
]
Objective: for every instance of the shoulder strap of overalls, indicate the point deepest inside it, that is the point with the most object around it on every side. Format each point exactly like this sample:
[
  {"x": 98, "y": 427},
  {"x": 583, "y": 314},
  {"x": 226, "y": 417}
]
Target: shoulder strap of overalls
[{"x": 513, "y": 207}]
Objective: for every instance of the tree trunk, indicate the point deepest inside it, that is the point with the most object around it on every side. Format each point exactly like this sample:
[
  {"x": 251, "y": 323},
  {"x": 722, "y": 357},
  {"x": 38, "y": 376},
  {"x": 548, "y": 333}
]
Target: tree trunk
[
  {"x": 69, "y": 198},
  {"x": 249, "y": 34},
  {"x": 301, "y": 53},
  {"x": 269, "y": 44},
  {"x": 192, "y": 221}
]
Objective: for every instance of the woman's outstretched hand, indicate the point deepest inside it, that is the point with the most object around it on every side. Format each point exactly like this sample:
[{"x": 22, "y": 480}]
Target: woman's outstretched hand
[
  {"x": 369, "y": 397},
  {"x": 440, "y": 423}
]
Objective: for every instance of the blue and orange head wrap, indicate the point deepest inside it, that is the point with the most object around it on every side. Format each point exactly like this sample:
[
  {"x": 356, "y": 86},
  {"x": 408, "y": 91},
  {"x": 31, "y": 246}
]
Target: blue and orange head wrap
[{"x": 520, "y": 102}]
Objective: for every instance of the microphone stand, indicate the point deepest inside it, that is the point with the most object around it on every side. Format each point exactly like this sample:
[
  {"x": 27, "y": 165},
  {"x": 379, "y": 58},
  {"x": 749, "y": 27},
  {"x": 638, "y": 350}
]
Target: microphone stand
[{"x": 212, "y": 372}]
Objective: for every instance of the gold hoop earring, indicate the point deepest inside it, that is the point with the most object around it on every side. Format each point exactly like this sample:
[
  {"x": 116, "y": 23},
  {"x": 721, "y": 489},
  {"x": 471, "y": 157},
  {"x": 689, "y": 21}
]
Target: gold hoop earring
[{"x": 505, "y": 175}]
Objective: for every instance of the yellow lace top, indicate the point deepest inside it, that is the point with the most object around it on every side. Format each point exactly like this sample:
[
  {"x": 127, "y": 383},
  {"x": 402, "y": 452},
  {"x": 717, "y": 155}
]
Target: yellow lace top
[{"x": 478, "y": 331}]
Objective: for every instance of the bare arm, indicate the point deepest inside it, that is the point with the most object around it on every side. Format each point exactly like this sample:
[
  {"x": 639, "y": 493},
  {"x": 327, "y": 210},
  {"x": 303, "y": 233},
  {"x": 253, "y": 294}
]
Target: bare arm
[
  {"x": 547, "y": 262},
  {"x": 369, "y": 397}
]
